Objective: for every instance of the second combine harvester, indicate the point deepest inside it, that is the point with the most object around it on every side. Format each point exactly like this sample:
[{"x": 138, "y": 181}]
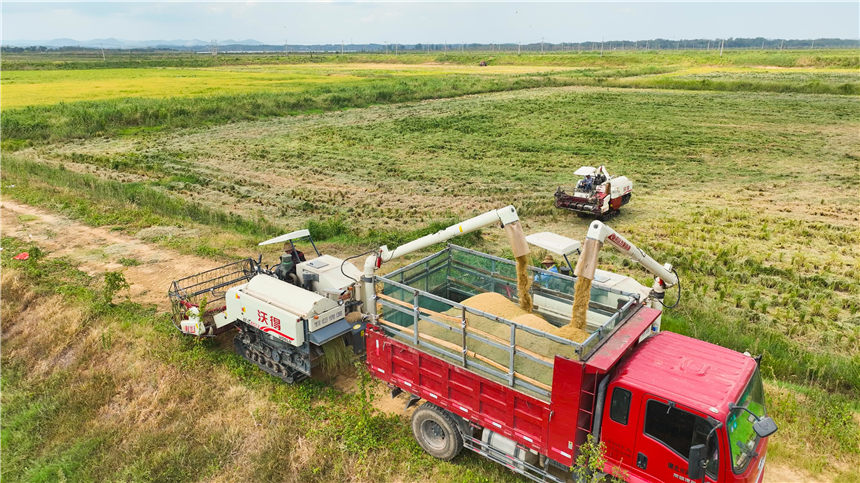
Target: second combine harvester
[
  {"x": 667, "y": 407},
  {"x": 596, "y": 194}
]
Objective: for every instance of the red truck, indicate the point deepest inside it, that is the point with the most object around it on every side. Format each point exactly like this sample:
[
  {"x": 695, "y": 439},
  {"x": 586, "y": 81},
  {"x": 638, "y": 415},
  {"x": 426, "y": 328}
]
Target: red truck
[{"x": 667, "y": 407}]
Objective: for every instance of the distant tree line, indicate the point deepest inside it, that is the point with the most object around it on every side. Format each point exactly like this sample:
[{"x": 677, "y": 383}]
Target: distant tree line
[{"x": 607, "y": 45}]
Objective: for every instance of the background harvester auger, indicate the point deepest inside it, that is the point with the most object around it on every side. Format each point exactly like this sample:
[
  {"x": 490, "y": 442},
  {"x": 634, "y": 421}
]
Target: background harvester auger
[{"x": 598, "y": 234}]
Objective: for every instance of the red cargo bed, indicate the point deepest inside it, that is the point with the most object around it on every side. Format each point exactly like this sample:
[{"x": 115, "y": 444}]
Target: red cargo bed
[{"x": 552, "y": 428}]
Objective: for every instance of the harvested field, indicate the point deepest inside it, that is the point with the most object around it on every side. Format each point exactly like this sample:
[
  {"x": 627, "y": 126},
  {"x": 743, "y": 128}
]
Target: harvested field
[{"x": 744, "y": 179}]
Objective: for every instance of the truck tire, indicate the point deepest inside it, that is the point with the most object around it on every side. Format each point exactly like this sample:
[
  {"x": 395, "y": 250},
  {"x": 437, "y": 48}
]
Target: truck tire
[{"x": 436, "y": 432}]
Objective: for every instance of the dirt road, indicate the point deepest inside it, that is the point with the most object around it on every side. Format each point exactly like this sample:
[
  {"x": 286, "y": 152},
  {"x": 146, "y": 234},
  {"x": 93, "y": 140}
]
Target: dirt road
[{"x": 98, "y": 250}]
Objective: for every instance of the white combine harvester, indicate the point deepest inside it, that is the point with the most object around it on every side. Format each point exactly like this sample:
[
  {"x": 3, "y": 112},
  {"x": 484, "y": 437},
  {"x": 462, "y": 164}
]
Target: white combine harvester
[{"x": 597, "y": 193}]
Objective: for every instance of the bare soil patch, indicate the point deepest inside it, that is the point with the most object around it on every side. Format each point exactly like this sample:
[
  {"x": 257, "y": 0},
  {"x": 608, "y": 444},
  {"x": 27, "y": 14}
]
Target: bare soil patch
[{"x": 99, "y": 250}]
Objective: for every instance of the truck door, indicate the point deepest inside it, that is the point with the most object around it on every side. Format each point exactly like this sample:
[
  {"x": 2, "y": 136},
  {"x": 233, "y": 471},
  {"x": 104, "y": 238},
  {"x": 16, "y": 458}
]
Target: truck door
[
  {"x": 666, "y": 433},
  {"x": 619, "y": 427}
]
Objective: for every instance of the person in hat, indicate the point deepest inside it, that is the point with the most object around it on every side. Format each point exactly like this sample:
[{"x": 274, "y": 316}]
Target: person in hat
[{"x": 548, "y": 264}]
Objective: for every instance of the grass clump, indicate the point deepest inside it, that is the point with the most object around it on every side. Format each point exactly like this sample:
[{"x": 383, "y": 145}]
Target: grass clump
[
  {"x": 328, "y": 228},
  {"x": 129, "y": 261}
]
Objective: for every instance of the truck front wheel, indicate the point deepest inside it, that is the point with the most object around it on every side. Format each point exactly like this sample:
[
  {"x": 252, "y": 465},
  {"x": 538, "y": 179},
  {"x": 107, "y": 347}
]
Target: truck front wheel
[{"x": 436, "y": 432}]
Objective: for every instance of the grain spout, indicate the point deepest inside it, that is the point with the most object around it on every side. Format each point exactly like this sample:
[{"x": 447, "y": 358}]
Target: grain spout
[
  {"x": 521, "y": 251},
  {"x": 584, "y": 271}
]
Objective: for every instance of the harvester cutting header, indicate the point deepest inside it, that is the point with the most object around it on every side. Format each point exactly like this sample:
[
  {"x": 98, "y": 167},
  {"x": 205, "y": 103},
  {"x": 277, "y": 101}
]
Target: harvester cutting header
[{"x": 517, "y": 363}]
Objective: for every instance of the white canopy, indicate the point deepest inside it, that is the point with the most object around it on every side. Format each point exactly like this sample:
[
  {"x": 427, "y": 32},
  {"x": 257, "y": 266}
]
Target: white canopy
[
  {"x": 554, "y": 243},
  {"x": 585, "y": 171},
  {"x": 287, "y": 237}
]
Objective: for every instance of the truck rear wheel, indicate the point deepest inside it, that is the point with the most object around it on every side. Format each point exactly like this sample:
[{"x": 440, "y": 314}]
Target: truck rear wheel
[{"x": 436, "y": 432}]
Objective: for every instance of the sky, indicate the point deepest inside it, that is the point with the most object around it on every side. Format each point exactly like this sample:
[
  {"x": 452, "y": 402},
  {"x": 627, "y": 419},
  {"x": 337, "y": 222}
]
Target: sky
[{"x": 426, "y": 22}]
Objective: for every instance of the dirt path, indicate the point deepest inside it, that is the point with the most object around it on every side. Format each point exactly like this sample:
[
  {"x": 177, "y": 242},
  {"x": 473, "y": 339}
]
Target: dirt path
[{"x": 99, "y": 250}]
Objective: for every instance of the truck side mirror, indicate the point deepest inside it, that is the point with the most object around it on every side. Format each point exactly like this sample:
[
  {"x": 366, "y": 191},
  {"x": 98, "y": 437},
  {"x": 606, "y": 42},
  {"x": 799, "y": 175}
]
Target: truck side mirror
[
  {"x": 695, "y": 466},
  {"x": 764, "y": 427}
]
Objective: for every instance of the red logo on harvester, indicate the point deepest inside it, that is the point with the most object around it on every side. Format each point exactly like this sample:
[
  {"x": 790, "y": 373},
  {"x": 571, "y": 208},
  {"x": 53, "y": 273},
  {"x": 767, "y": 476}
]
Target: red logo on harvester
[
  {"x": 617, "y": 241},
  {"x": 272, "y": 321}
]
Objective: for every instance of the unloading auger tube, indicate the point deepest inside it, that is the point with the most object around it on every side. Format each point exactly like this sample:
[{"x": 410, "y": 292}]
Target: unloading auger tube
[
  {"x": 507, "y": 216},
  {"x": 598, "y": 234}
]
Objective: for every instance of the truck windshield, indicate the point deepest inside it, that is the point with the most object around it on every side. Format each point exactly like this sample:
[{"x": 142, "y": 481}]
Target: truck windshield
[{"x": 739, "y": 424}]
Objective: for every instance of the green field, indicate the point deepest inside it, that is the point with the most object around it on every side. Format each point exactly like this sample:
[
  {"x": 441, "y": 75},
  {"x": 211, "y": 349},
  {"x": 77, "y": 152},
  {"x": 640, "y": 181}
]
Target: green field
[
  {"x": 85, "y": 98},
  {"x": 745, "y": 173}
]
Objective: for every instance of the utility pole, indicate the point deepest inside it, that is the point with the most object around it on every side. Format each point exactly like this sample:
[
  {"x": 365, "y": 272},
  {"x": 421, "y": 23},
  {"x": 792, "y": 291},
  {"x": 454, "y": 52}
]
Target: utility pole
[
  {"x": 721, "y": 47},
  {"x": 286, "y": 47},
  {"x": 541, "y": 44},
  {"x": 519, "y": 45},
  {"x": 762, "y": 45},
  {"x": 709, "y": 45},
  {"x": 813, "y": 43},
  {"x": 103, "y": 53},
  {"x": 781, "y": 42}
]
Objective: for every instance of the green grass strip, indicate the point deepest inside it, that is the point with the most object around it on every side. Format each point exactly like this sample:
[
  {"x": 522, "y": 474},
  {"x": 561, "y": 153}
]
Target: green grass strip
[{"x": 782, "y": 358}]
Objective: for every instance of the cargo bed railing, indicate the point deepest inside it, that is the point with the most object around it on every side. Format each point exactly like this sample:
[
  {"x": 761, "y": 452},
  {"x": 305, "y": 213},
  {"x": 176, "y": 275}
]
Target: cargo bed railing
[{"x": 414, "y": 311}]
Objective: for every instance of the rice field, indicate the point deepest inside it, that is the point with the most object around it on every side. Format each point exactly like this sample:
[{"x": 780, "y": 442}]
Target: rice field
[
  {"x": 22, "y": 88},
  {"x": 745, "y": 174}
]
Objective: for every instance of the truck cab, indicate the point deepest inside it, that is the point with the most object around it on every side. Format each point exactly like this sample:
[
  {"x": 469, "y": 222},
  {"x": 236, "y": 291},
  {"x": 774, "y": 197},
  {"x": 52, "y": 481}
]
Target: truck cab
[{"x": 673, "y": 393}]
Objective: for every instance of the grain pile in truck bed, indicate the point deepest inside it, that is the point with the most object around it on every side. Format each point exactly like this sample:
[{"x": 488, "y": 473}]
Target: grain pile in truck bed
[{"x": 496, "y": 304}]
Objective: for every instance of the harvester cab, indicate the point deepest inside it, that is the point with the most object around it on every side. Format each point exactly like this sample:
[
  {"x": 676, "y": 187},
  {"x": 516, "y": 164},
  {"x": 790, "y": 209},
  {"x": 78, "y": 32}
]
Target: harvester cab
[
  {"x": 557, "y": 245},
  {"x": 292, "y": 256},
  {"x": 570, "y": 250}
]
